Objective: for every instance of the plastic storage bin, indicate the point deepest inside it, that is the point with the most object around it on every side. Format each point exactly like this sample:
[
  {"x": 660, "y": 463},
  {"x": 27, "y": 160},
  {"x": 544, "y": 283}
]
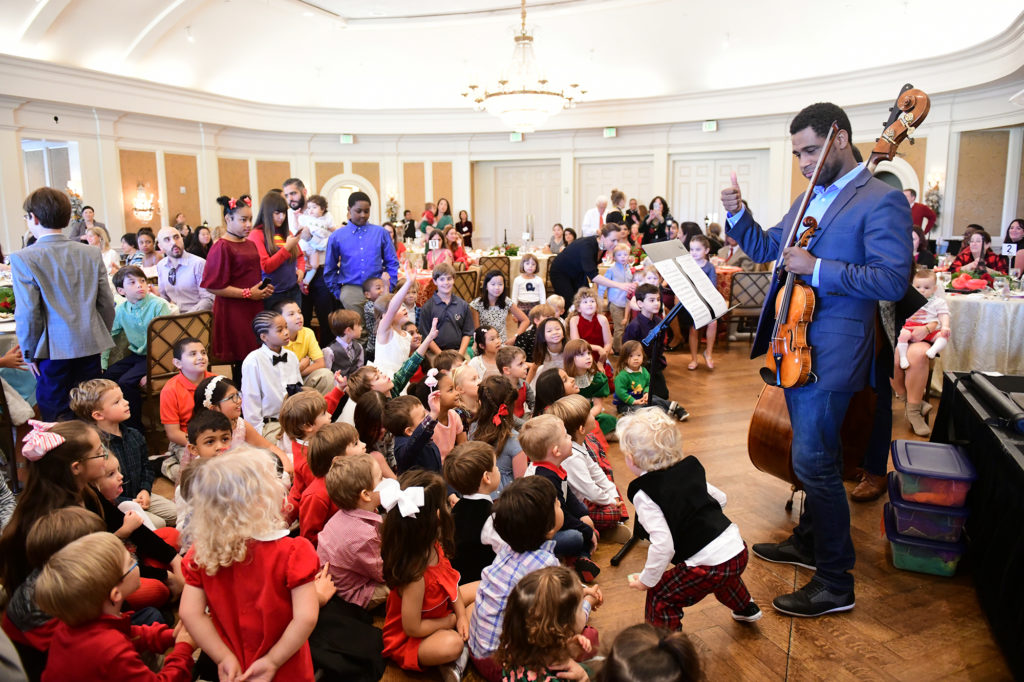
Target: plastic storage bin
[
  {"x": 928, "y": 521},
  {"x": 932, "y": 473},
  {"x": 920, "y": 555}
]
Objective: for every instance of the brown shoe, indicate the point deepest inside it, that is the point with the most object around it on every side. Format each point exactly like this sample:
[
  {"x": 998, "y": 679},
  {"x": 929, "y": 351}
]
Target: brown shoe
[{"x": 870, "y": 488}]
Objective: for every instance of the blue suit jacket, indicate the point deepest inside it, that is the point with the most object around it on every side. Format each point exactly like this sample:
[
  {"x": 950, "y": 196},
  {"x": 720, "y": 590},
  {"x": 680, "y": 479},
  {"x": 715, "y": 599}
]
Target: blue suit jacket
[{"x": 864, "y": 244}]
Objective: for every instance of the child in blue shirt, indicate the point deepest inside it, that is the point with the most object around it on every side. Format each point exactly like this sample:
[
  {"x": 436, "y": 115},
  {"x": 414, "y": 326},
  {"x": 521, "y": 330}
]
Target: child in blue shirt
[
  {"x": 131, "y": 318},
  {"x": 413, "y": 428},
  {"x": 618, "y": 299}
]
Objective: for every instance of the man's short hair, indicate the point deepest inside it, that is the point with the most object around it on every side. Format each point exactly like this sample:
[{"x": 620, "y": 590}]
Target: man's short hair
[
  {"x": 342, "y": 320},
  {"x": 644, "y": 290},
  {"x": 57, "y": 529},
  {"x": 466, "y": 465},
  {"x": 87, "y": 396},
  {"x": 369, "y": 282},
  {"x": 507, "y": 355},
  {"x": 819, "y": 117},
  {"x": 525, "y": 513},
  {"x": 181, "y": 344},
  {"x": 913, "y": 192},
  {"x": 356, "y": 197},
  {"x": 127, "y": 271},
  {"x": 539, "y": 434},
  {"x": 398, "y": 414},
  {"x": 347, "y": 478},
  {"x": 573, "y": 410},
  {"x": 52, "y": 208},
  {"x": 329, "y": 442},
  {"x": 301, "y": 410},
  {"x": 294, "y": 181},
  {"x": 443, "y": 270},
  {"x": 75, "y": 583},
  {"x": 206, "y": 420}
]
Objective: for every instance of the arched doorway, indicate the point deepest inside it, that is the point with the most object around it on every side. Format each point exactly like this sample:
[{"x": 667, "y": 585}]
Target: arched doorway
[
  {"x": 899, "y": 174},
  {"x": 337, "y": 190}
]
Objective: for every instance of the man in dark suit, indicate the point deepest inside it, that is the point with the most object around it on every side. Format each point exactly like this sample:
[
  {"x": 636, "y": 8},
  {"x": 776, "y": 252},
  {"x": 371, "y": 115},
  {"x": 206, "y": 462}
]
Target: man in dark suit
[{"x": 860, "y": 254}]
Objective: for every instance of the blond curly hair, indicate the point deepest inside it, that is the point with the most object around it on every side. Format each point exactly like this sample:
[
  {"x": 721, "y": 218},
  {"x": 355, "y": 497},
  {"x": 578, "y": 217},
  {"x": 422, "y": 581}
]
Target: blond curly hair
[
  {"x": 651, "y": 438},
  {"x": 235, "y": 497}
]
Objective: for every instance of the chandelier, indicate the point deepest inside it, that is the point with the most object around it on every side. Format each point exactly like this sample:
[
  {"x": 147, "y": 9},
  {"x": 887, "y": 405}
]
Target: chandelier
[
  {"x": 142, "y": 205},
  {"x": 523, "y": 98}
]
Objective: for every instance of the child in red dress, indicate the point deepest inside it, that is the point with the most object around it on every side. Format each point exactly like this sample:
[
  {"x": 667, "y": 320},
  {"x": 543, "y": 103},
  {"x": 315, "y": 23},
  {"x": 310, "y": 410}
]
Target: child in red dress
[
  {"x": 427, "y": 622},
  {"x": 586, "y": 324},
  {"x": 257, "y": 581}
]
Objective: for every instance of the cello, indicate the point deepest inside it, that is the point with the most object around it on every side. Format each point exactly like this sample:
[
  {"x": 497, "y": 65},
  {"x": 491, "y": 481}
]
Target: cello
[{"x": 770, "y": 435}]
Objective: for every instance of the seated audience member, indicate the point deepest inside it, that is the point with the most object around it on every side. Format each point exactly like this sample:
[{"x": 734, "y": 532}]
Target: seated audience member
[
  {"x": 413, "y": 429},
  {"x": 130, "y": 247},
  {"x": 511, "y": 362},
  {"x": 643, "y": 652},
  {"x": 84, "y": 585},
  {"x": 179, "y": 275},
  {"x": 732, "y": 254},
  {"x": 315, "y": 505},
  {"x": 100, "y": 402},
  {"x": 177, "y": 400},
  {"x": 147, "y": 247},
  {"x": 923, "y": 258},
  {"x": 977, "y": 258},
  {"x": 209, "y": 435},
  {"x": 132, "y": 319},
  {"x": 347, "y": 327},
  {"x": 454, "y": 318},
  {"x": 528, "y": 338},
  {"x": 269, "y": 374},
  {"x": 218, "y": 394},
  {"x": 303, "y": 343},
  {"x": 472, "y": 471},
  {"x": 302, "y": 415},
  {"x": 349, "y": 544},
  {"x": 96, "y": 236},
  {"x": 65, "y": 306}
]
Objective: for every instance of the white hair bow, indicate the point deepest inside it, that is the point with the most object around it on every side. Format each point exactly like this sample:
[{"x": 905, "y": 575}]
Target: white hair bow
[
  {"x": 431, "y": 379},
  {"x": 409, "y": 501}
]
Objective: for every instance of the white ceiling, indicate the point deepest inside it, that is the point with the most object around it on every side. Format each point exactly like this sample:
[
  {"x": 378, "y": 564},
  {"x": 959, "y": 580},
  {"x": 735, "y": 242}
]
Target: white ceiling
[{"x": 411, "y": 54}]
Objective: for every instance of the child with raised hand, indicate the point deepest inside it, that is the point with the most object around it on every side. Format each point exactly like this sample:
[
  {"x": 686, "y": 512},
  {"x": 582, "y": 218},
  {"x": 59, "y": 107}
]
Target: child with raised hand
[
  {"x": 241, "y": 554},
  {"x": 495, "y": 426},
  {"x": 315, "y": 505},
  {"x": 486, "y": 344},
  {"x": 542, "y": 632},
  {"x": 349, "y": 544},
  {"x": 84, "y": 585},
  {"x": 413, "y": 428},
  {"x": 493, "y": 306},
  {"x": 269, "y": 374},
  {"x": 528, "y": 287},
  {"x": 472, "y": 471},
  {"x": 511, "y": 362},
  {"x": 449, "y": 430},
  {"x": 681, "y": 513},
  {"x": 426, "y": 623},
  {"x": 587, "y": 479},
  {"x": 546, "y": 442},
  {"x": 218, "y": 394},
  {"x": 177, "y": 400},
  {"x": 549, "y": 347},
  {"x": 641, "y": 653},
  {"x": 593, "y": 385},
  {"x": 633, "y": 382},
  {"x": 392, "y": 344},
  {"x": 528, "y": 339}
]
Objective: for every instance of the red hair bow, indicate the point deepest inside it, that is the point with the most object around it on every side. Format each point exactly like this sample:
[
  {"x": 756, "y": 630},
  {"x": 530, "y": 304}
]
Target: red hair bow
[
  {"x": 233, "y": 203},
  {"x": 502, "y": 412}
]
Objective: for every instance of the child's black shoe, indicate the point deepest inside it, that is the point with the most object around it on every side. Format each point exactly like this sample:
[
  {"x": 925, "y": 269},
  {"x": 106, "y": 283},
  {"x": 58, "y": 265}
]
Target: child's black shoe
[{"x": 748, "y": 614}]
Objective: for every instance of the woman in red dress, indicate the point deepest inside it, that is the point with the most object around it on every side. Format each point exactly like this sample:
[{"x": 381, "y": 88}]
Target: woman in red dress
[{"x": 232, "y": 275}]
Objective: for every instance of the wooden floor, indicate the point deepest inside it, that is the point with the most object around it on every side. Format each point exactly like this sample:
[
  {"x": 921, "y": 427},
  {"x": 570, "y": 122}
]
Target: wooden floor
[{"x": 906, "y": 626}]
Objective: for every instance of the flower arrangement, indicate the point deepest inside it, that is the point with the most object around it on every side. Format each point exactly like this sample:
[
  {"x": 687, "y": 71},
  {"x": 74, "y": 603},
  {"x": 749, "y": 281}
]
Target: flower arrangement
[
  {"x": 6, "y": 300},
  {"x": 391, "y": 208},
  {"x": 76, "y": 204},
  {"x": 933, "y": 198}
]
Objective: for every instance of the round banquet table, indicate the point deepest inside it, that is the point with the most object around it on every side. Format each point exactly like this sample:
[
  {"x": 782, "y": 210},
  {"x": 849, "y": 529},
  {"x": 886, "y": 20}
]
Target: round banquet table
[{"x": 987, "y": 332}]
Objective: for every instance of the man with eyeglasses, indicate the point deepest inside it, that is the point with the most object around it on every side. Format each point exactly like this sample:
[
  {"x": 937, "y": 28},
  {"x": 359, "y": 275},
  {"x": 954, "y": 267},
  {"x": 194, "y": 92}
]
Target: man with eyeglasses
[{"x": 180, "y": 273}]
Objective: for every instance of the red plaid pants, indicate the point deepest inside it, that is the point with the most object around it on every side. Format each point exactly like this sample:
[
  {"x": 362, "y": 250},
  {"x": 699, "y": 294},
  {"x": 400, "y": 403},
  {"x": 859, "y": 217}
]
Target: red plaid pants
[{"x": 685, "y": 586}]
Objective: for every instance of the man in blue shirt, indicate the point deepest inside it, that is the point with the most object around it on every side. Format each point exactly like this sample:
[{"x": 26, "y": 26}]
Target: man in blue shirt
[
  {"x": 859, "y": 255},
  {"x": 358, "y": 251}
]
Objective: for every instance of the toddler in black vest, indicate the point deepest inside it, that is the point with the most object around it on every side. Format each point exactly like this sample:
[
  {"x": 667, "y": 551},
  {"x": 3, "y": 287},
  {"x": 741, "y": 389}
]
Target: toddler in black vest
[
  {"x": 681, "y": 514},
  {"x": 471, "y": 468}
]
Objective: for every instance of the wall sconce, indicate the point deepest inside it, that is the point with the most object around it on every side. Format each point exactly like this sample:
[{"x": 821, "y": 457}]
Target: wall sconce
[{"x": 142, "y": 205}]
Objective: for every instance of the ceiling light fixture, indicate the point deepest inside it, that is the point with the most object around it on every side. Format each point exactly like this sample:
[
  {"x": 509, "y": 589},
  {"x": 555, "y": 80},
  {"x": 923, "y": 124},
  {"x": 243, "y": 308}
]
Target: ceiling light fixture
[
  {"x": 523, "y": 98},
  {"x": 142, "y": 205}
]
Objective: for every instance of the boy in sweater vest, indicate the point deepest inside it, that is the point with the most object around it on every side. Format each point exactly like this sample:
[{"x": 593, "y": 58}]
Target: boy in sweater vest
[
  {"x": 472, "y": 470},
  {"x": 681, "y": 514}
]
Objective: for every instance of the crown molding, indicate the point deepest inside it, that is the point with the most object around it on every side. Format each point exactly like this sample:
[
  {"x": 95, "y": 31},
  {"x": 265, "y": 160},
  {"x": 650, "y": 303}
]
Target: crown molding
[{"x": 38, "y": 81}]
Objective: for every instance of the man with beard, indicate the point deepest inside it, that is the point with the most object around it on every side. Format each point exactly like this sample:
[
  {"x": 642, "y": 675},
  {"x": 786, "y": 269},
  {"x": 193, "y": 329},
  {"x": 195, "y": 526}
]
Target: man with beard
[
  {"x": 180, "y": 273},
  {"x": 318, "y": 297},
  {"x": 356, "y": 252}
]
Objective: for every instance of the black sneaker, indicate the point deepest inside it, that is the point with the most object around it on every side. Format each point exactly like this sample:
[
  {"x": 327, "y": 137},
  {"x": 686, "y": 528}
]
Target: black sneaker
[
  {"x": 814, "y": 599},
  {"x": 785, "y": 552},
  {"x": 587, "y": 569},
  {"x": 748, "y": 614},
  {"x": 681, "y": 413}
]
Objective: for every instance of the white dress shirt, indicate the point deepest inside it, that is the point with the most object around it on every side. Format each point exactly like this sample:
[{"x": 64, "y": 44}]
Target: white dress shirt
[
  {"x": 591, "y": 223},
  {"x": 264, "y": 383},
  {"x": 586, "y": 479}
]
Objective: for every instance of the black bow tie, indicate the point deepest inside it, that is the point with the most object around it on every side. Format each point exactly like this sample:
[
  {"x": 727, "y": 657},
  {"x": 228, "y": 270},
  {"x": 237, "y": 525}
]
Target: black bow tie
[{"x": 283, "y": 357}]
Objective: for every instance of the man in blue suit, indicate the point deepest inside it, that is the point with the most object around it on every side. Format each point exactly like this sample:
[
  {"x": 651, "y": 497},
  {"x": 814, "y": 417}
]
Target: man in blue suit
[{"x": 860, "y": 254}]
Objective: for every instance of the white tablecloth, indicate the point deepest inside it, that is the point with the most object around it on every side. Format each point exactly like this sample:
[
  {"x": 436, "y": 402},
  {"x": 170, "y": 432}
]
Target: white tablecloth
[{"x": 988, "y": 335}]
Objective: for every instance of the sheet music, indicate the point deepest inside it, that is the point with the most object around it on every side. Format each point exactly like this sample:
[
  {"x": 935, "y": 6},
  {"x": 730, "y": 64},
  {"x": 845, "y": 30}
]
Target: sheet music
[{"x": 687, "y": 281}]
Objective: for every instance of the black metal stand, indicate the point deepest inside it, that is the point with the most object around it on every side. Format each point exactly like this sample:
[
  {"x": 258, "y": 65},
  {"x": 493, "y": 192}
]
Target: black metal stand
[{"x": 652, "y": 341}]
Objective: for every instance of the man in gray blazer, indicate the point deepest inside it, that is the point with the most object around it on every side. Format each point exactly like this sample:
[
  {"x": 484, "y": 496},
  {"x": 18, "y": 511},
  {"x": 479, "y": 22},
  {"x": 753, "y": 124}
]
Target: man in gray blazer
[
  {"x": 64, "y": 308},
  {"x": 732, "y": 254}
]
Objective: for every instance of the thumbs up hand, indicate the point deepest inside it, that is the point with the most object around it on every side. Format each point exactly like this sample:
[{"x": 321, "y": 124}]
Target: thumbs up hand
[{"x": 731, "y": 198}]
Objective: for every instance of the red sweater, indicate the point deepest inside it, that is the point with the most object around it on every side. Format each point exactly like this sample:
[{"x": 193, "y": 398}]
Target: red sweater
[
  {"x": 315, "y": 508},
  {"x": 108, "y": 649}
]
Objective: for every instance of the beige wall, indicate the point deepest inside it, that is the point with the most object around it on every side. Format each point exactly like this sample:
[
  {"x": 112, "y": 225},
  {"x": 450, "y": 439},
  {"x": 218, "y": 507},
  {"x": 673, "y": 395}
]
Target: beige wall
[
  {"x": 913, "y": 154},
  {"x": 181, "y": 171},
  {"x": 270, "y": 175},
  {"x": 414, "y": 195},
  {"x": 441, "y": 173},
  {"x": 324, "y": 171},
  {"x": 139, "y": 167},
  {"x": 234, "y": 177},
  {"x": 980, "y": 180}
]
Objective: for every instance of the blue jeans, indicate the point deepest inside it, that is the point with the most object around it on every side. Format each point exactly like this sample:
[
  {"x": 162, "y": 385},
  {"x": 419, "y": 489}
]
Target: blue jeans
[
  {"x": 824, "y": 526},
  {"x": 570, "y": 543}
]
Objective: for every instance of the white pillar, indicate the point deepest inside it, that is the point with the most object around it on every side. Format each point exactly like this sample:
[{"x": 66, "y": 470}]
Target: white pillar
[
  {"x": 12, "y": 172},
  {"x": 1013, "y": 163},
  {"x": 567, "y": 170}
]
